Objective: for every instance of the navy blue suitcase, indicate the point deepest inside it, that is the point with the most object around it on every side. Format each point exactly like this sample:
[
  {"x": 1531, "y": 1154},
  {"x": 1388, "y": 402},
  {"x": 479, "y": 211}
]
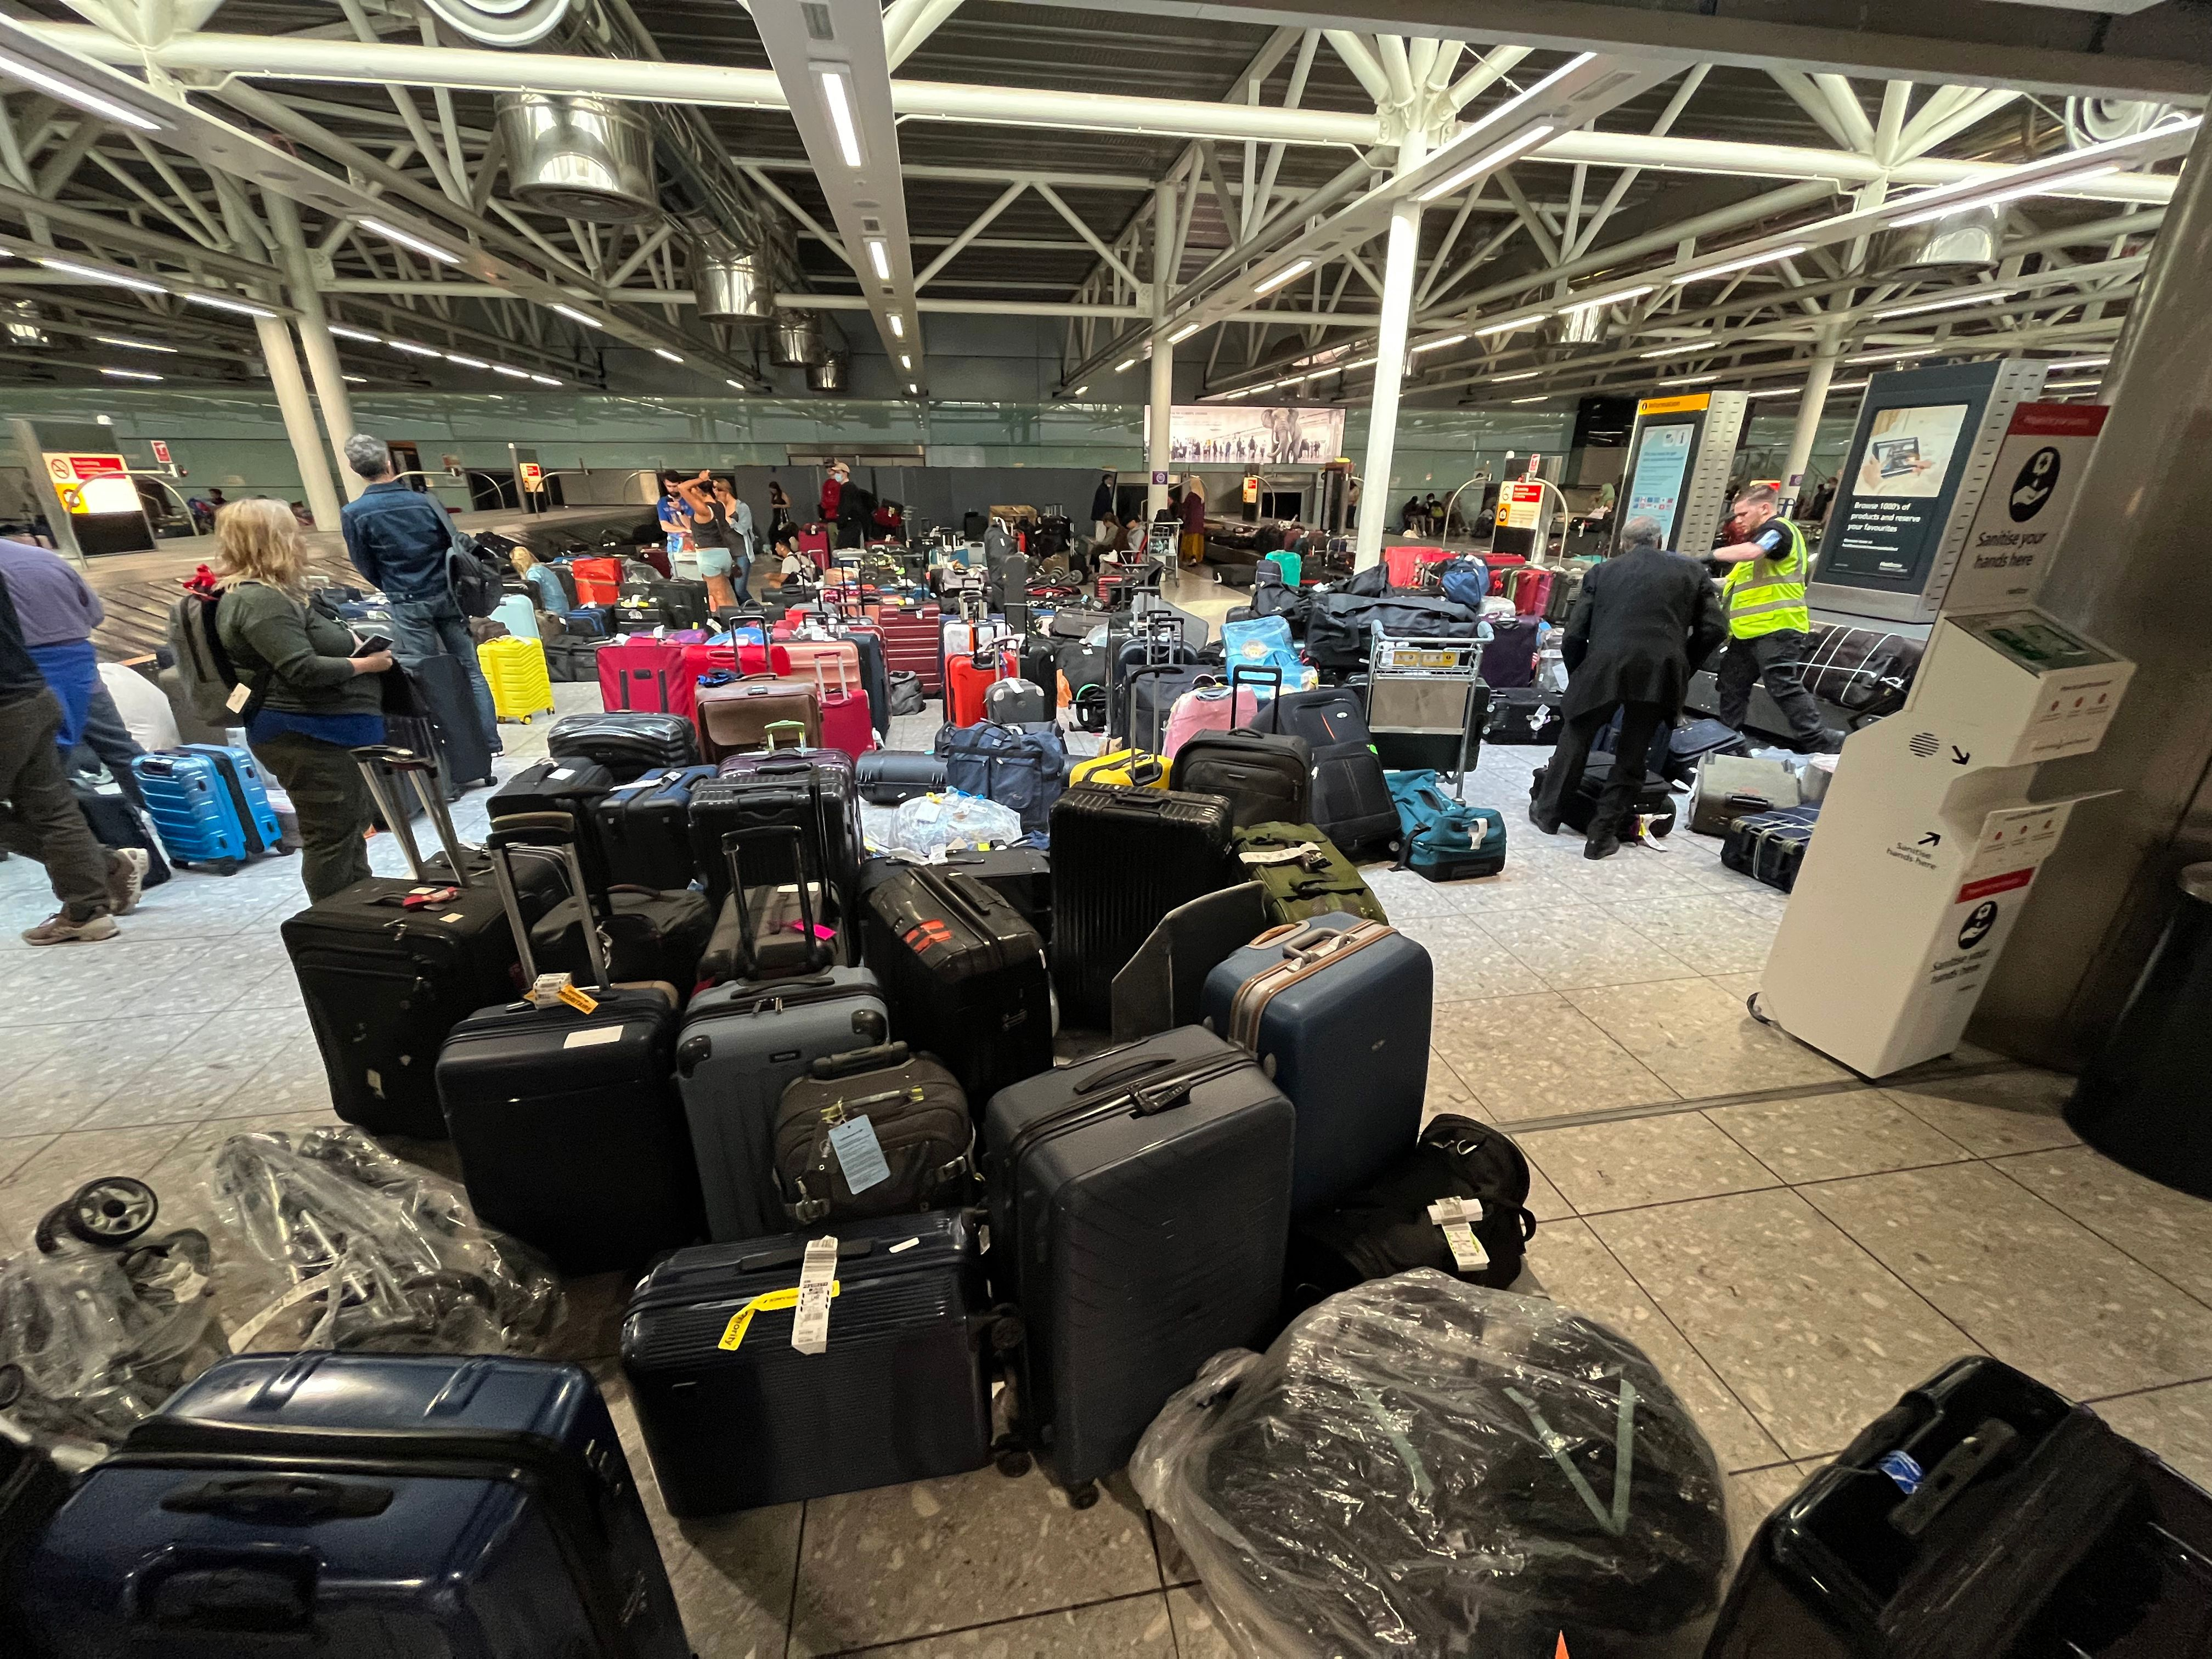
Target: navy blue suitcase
[
  {"x": 736, "y": 1418},
  {"x": 1336, "y": 1009},
  {"x": 361, "y": 1506},
  {"x": 645, "y": 829}
]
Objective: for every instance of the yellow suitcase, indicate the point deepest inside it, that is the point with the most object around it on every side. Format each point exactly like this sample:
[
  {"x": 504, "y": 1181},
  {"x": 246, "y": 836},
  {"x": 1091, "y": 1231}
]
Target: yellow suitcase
[
  {"x": 1124, "y": 766},
  {"x": 515, "y": 668}
]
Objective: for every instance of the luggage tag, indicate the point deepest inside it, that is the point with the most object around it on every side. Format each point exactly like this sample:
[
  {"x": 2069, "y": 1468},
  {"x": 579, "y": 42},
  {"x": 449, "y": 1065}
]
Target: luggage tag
[
  {"x": 810, "y": 1326},
  {"x": 1454, "y": 1216},
  {"x": 859, "y": 1154}
]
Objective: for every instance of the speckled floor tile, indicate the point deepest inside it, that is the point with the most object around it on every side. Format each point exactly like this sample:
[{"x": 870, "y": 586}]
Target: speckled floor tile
[
  {"x": 85, "y": 1065},
  {"x": 1405, "y": 895},
  {"x": 1198, "y": 1629},
  {"x": 2169, "y": 1232},
  {"x": 2002, "y": 1112},
  {"x": 200, "y": 1075},
  {"x": 2175, "y": 1423},
  {"x": 1525, "y": 883},
  {"x": 1699, "y": 1039},
  {"x": 1645, "y": 1160},
  {"x": 1537, "y": 1057},
  {"x": 2034, "y": 1287},
  {"x": 1468, "y": 962},
  {"x": 1810, "y": 1331},
  {"x": 914, "y": 1560},
  {"x": 66, "y": 1163},
  {"x": 1717, "y": 934},
  {"x": 1566, "y": 949},
  {"x": 1137, "y": 1626},
  {"x": 1827, "y": 1137},
  {"x": 1578, "y": 1272},
  {"x": 1447, "y": 1093}
]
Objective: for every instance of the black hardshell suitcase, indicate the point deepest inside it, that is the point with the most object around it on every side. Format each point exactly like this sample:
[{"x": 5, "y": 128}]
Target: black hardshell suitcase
[
  {"x": 964, "y": 975},
  {"x": 443, "y": 682},
  {"x": 645, "y": 828},
  {"x": 385, "y": 981},
  {"x": 735, "y": 1418},
  {"x": 567, "y": 1124},
  {"x": 886, "y": 777},
  {"x": 1770, "y": 847},
  {"x": 1351, "y": 803},
  {"x": 627, "y": 744},
  {"x": 812, "y": 789},
  {"x": 1139, "y": 1207},
  {"x": 1265, "y": 778},
  {"x": 1022, "y": 875},
  {"x": 1124, "y": 855}
]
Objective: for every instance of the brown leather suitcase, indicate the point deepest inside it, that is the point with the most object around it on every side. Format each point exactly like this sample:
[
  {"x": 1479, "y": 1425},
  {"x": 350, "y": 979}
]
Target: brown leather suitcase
[{"x": 736, "y": 717}]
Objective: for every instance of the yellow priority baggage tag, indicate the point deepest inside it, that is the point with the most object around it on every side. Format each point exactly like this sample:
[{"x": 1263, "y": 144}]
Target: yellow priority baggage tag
[{"x": 766, "y": 1301}]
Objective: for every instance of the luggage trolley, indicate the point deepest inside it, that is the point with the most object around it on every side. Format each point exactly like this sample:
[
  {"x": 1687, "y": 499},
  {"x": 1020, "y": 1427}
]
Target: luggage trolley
[{"x": 1426, "y": 702}]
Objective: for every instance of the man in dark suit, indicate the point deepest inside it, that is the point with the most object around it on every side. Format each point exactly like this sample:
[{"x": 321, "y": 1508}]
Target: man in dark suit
[{"x": 1646, "y": 619}]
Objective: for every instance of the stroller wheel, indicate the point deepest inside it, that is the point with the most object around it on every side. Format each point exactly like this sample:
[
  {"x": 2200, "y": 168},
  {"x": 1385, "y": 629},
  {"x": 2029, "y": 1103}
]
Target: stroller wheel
[{"x": 111, "y": 1211}]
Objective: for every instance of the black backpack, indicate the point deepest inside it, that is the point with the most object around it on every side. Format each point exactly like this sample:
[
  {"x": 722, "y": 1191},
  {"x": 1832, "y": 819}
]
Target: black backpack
[{"x": 1384, "y": 1229}]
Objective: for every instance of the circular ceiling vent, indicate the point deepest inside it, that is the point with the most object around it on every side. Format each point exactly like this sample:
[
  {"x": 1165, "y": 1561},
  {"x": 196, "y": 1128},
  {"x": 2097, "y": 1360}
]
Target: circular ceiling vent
[
  {"x": 2099, "y": 120},
  {"x": 502, "y": 23}
]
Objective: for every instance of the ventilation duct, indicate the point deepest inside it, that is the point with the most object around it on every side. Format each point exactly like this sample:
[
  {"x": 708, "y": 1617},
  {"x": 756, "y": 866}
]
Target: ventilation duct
[
  {"x": 580, "y": 157},
  {"x": 798, "y": 341},
  {"x": 730, "y": 283},
  {"x": 1966, "y": 241},
  {"x": 828, "y": 375},
  {"x": 502, "y": 23}
]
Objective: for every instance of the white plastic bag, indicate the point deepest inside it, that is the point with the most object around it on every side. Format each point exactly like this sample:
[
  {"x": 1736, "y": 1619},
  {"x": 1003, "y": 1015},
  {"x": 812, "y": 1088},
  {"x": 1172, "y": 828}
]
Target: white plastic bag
[{"x": 931, "y": 825}]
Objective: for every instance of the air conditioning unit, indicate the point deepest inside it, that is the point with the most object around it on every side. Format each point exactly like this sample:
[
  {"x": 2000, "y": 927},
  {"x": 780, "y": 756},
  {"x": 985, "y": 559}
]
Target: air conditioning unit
[
  {"x": 798, "y": 341},
  {"x": 578, "y": 156},
  {"x": 730, "y": 284}
]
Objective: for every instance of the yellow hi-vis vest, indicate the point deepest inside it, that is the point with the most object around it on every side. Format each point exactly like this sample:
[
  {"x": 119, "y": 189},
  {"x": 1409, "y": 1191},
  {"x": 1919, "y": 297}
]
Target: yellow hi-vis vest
[{"x": 1767, "y": 595}]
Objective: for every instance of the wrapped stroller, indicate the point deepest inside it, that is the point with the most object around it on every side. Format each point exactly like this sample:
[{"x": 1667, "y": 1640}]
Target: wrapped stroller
[
  {"x": 377, "y": 1255},
  {"x": 1420, "y": 1467}
]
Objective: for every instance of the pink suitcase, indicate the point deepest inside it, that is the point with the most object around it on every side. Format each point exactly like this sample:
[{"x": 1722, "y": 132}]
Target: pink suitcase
[
  {"x": 1209, "y": 708},
  {"x": 838, "y": 662}
]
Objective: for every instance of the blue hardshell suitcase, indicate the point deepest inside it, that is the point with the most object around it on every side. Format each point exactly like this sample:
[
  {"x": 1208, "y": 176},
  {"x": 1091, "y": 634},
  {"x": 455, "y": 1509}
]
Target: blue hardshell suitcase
[
  {"x": 248, "y": 787},
  {"x": 358, "y": 1506},
  {"x": 1336, "y": 1009},
  {"x": 193, "y": 809},
  {"x": 736, "y": 1418}
]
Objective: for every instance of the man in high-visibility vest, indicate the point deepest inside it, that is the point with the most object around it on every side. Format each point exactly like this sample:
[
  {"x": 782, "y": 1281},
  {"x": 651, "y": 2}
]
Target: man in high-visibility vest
[{"x": 1769, "y": 627}]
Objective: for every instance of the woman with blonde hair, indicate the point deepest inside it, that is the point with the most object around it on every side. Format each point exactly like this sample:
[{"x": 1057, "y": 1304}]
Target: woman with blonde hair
[{"x": 313, "y": 694}]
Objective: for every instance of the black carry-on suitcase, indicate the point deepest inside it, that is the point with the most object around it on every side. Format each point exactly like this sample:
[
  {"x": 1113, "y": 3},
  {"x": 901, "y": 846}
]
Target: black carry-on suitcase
[
  {"x": 1351, "y": 803},
  {"x": 1654, "y": 804},
  {"x": 769, "y": 930},
  {"x": 736, "y": 1418},
  {"x": 566, "y": 1121},
  {"x": 1139, "y": 1208},
  {"x": 645, "y": 828},
  {"x": 964, "y": 973},
  {"x": 390, "y": 965},
  {"x": 443, "y": 684},
  {"x": 1124, "y": 855},
  {"x": 647, "y": 934}
]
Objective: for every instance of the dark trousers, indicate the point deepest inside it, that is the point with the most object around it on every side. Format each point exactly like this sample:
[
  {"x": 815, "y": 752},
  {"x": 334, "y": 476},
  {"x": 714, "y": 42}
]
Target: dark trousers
[
  {"x": 39, "y": 815},
  {"x": 333, "y": 805},
  {"x": 108, "y": 737},
  {"x": 1640, "y": 724},
  {"x": 1774, "y": 659}
]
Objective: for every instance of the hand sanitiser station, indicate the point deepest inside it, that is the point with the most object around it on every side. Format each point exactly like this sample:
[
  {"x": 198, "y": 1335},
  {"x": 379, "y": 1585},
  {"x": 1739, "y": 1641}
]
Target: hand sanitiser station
[{"x": 1929, "y": 842}]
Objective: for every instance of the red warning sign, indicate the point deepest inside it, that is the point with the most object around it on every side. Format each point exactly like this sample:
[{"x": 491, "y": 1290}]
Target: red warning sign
[{"x": 1989, "y": 885}]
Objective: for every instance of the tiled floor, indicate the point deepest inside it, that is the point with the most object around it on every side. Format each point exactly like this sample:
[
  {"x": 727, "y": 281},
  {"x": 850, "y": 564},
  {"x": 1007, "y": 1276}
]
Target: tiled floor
[{"x": 1791, "y": 1246}]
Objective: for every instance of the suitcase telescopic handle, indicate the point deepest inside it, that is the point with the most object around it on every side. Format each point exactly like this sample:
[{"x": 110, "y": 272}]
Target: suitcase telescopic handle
[
  {"x": 735, "y": 839},
  {"x": 379, "y": 764},
  {"x": 551, "y": 836}
]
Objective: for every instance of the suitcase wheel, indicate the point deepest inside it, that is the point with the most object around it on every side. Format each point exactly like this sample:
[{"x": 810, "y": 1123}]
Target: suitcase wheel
[
  {"x": 109, "y": 1212},
  {"x": 1083, "y": 1497},
  {"x": 1012, "y": 1458}
]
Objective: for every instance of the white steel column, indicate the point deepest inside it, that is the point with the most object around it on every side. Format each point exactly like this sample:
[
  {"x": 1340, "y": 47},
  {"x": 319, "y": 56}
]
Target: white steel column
[
  {"x": 299, "y": 419},
  {"x": 1399, "y": 271},
  {"x": 315, "y": 334},
  {"x": 1163, "y": 398},
  {"x": 1818, "y": 374}
]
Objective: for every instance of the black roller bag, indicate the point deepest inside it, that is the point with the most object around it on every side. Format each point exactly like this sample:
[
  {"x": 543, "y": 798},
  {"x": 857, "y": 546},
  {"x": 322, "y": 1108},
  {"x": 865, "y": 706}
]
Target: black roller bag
[
  {"x": 1022, "y": 876},
  {"x": 114, "y": 822},
  {"x": 566, "y": 1122},
  {"x": 573, "y": 786},
  {"x": 917, "y": 1151},
  {"x": 1339, "y": 628},
  {"x": 1655, "y": 801},
  {"x": 1351, "y": 803},
  {"x": 390, "y": 965},
  {"x": 887, "y": 776},
  {"x": 1265, "y": 778},
  {"x": 735, "y": 1418},
  {"x": 964, "y": 973},
  {"x": 442, "y": 682},
  {"x": 1140, "y": 1202},
  {"x": 645, "y": 828},
  {"x": 573, "y": 661},
  {"x": 627, "y": 744},
  {"x": 1123, "y": 856},
  {"x": 1770, "y": 847},
  {"x": 767, "y": 929},
  {"x": 811, "y": 789},
  {"x": 647, "y": 934}
]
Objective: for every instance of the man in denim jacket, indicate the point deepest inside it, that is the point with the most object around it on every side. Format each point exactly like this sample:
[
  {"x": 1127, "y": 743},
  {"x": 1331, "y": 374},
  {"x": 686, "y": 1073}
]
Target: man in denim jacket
[{"x": 398, "y": 538}]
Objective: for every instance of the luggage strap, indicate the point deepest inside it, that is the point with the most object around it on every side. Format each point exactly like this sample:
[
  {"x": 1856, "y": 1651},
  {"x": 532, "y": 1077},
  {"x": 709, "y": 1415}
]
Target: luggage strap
[{"x": 1301, "y": 961}]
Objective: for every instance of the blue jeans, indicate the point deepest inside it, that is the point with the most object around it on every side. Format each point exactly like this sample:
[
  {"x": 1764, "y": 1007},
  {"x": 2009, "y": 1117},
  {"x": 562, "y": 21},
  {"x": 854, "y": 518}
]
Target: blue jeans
[
  {"x": 111, "y": 743},
  {"x": 435, "y": 627}
]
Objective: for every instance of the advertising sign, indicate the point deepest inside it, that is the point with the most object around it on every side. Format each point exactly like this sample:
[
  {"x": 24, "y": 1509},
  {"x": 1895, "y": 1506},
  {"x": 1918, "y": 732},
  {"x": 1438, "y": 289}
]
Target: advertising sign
[
  {"x": 533, "y": 476},
  {"x": 2038, "y": 472},
  {"x": 1202, "y": 434},
  {"x": 1655, "y": 488},
  {"x": 77, "y": 480}
]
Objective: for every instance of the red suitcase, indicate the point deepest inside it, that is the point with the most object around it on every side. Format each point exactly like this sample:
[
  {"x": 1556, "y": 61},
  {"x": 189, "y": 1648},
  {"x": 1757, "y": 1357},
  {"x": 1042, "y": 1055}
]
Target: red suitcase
[
  {"x": 644, "y": 675},
  {"x": 968, "y": 680},
  {"x": 1532, "y": 592},
  {"x": 814, "y": 542},
  {"x": 913, "y": 636},
  {"x": 598, "y": 582}
]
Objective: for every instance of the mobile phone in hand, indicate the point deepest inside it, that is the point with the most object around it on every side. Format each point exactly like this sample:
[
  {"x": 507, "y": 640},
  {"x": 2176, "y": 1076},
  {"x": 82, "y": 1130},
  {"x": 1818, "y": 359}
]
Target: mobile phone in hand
[{"x": 372, "y": 645}]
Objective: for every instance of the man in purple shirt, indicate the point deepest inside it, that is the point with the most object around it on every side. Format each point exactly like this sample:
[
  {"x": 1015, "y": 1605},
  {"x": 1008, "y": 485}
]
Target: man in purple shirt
[{"x": 59, "y": 610}]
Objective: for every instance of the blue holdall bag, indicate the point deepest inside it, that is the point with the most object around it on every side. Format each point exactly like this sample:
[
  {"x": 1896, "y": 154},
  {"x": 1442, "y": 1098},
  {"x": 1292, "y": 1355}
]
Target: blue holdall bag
[
  {"x": 1023, "y": 766},
  {"x": 1441, "y": 839}
]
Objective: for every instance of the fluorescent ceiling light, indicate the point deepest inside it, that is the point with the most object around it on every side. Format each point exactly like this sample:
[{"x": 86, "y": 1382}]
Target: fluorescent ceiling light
[
  {"x": 1956, "y": 300},
  {"x": 1966, "y": 191},
  {"x": 21, "y": 69},
  {"x": 1505, "y": 152},
  {"x": 345, "y": 333},
  {"x": 511, "y": 373},
  {"x": 836, "y": 95},
  {"x": 1849, "y": 385},
  {"x": 1288, "y": 273},
  {"x": 1118, "y": 368},
  {"x": 898, "y": 326},
  {"x": 1525, "y": 375},
  {"x": 576, "y": 316},
  {"x": 1265, "y": 385},
  {"x": 98, "y": 275},
  {"x": 905, "y": 361},
  {"x": 880, "y": 257},
  {"x": 1682, "y": 349},
  {"x": 1078, "y": 391},
  {"x": 662, "y": 351},
  {"x": 1690, "y": 379},
  {"x": 1368, "y": 362},
  {"x": 739, "y": 385},
  {"x": 129, "y": 374},
  {"x": 133, "y": 345},
  {"x": 221, "y": 304},
  {"x": 467, "y": 362},
  {"x": 356, "y": 380},
  {"x": 544, "y": 379},
  {"x": 1777, "y": 392},
  {"x": 1520, "y": 100},
  {"x": 2080, "y": 362},
  {"x": 914, "y": 389},
  {"x": 1609, "y": 298},
  {"x": 428, "y": 250},
  {"x": 1745, "y": 264},
  {"x": 2046, "y": 187},
  {"x": 1890, "y": 356},
  {"x": 2060, "y": 386},
  {"x": 1538, "y": 398},
  {"x": 1511, "y": 323},
  {"x": 414, "y": 350},
  {"x": 1183, "y": 334},
  {"x": 1431, "y": 345}
]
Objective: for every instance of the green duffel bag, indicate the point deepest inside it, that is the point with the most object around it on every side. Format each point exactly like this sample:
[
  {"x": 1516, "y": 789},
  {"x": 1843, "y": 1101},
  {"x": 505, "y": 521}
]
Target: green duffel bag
[{"x": 1303, "y": 872}]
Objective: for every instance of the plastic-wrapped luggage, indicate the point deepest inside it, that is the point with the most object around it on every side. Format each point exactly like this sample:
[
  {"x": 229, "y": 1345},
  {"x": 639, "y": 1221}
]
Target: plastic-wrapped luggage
[
  {"x": 934, "y": 824},
  {"x": 1427, "y": 1469}
]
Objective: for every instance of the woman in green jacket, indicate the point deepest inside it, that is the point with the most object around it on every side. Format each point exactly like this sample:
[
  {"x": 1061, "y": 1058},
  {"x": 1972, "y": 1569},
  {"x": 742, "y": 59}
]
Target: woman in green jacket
[{"x": 313, "y": 699}]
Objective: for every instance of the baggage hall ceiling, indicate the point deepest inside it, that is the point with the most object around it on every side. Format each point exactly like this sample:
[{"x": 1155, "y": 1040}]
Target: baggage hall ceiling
[{"x": 167, "y": 167}]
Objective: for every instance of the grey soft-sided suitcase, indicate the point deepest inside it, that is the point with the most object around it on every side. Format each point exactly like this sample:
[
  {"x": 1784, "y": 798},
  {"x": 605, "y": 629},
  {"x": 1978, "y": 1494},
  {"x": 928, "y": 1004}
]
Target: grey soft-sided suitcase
[{"x": 1139, "y": 1207}]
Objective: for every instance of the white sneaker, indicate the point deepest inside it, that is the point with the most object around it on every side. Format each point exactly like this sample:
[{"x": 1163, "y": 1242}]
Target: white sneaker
[
  {"x": 58, "y": 929},
  {"x": 126, "y": 879}
]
